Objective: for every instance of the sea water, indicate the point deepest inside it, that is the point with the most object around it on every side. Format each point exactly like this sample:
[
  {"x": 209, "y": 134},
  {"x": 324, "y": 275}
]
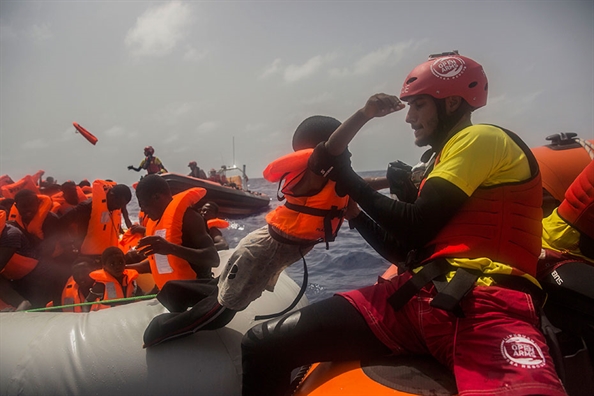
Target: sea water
[{"x": 350, "y": 263}]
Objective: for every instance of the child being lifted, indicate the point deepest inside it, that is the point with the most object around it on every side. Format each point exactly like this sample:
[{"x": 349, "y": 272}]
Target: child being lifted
[{"x": 313, "y": 213}]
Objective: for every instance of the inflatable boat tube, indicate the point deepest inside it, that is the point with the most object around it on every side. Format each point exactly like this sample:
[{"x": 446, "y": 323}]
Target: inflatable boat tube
[{"x": 100, "y": 353}]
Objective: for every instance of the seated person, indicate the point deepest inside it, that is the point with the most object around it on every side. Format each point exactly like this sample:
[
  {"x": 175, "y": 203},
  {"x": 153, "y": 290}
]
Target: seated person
[
  {"x": 70, "y": 196},
  {"x": 113, "y": 281},
  {"x": 24, "y": 281},
  {"x": 97, "y": 221},
  {"x": 196, "y": 171},
  {"x": 210, "y": 212},
  {"x": 31, "y": 213},
  {"x": 77, "y": 287},
  {"x": 177, "y": 243}
]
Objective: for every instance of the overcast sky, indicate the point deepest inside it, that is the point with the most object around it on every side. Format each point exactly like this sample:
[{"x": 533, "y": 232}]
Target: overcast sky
[{"x": 188, "y": 77}]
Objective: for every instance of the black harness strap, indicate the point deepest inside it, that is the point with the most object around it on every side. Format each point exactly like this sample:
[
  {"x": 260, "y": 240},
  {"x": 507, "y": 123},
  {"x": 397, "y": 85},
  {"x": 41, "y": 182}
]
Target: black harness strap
[
  {"x": 429, "y": 272},
  {"x": 449, "y": 294},
  {"x": 327, "y": 214}
]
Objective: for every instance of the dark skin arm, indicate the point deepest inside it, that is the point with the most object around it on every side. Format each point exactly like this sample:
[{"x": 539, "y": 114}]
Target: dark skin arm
[
  {"x": 219, "y": 240},
  {"x": 203, "y": 256},
  {"x": 95, "y": 294}
]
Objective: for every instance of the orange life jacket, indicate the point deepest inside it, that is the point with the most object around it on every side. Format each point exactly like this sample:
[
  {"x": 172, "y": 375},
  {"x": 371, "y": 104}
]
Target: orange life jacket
[
  {"x": 26, "y": 183},
  {"x": 113, "y": 288},
  {"x": 312, "y": 218},
  {"x": 5, "y": 180},
  {"x": 62, "y": 206},
  {"x": 72, "y": 295},
  {"x": 18, "y": 266},
  {"x": 170, "y": 267},
  {"x": 35, "y": 225},
  {"x": 217, "y": 223},
  {"x": 502, "y": 223},
  {"x": 104, "y": 226}
]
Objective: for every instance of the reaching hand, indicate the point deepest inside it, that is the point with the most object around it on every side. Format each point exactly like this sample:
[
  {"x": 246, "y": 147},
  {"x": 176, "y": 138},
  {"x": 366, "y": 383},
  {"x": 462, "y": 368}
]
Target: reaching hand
[
  {"x": 130, "y": 167},
  {"x": 399, "y": 177},
  {"x": 381, "y": 104},
  {"x": 154, "y": 244}
]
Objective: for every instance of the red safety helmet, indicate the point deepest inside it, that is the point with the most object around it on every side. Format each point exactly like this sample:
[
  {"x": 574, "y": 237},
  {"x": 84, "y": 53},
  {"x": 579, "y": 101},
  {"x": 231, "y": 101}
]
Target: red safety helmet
[
  {"x": 448, "y": 74},
  {"x": 193, "y": 163},
  {"x": 149, "y": 150}
]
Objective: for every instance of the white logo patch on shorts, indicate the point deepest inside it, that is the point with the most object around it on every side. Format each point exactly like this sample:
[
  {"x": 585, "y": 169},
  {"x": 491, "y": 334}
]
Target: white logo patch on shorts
[
  {"x": 448, "y": 67},
  {"x": 521, "y": 351}
]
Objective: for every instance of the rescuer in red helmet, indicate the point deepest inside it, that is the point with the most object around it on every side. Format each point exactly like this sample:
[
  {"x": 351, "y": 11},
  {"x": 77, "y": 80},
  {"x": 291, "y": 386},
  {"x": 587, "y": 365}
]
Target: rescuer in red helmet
[
  {"x": 467, "y": 246},
  {"x": 150, "y": 163}
]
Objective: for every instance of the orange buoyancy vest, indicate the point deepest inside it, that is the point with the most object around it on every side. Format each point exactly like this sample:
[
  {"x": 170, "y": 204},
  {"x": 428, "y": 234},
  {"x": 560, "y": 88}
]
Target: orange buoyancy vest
[
  {"x": 170, "y": 267},
  {"x": 577, "y": 209},
  {"x": 217, "y": 223},
  {"x": 502, "y": 222},
  {"x": 36, "y": 224},
  {"x": 62, "y": 206},
  {"x": 26, "y": 183},
  {"x": 18, "y": 266},
  {"x": 311, "y": 218},
  {"x": 104, "y": 225},
  {"x": 71, "y": 294},
  {"x": 113, "y": 288}
]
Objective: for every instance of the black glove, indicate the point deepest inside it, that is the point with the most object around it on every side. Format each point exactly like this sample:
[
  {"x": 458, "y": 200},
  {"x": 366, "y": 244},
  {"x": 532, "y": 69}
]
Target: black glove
[
  {"x": 323, "y": 164},
  {"x": 130, "y": 167},
  {"x": 398, "y": 175}
]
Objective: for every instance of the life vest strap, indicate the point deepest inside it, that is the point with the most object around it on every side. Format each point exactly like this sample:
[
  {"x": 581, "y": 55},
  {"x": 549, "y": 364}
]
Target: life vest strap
[
  {"x": 327, "y": 214},
  {"x": 449, "y": 294}
]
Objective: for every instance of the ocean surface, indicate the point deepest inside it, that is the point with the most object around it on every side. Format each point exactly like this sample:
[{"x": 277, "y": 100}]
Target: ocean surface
[{"x": 350, "y": 262}]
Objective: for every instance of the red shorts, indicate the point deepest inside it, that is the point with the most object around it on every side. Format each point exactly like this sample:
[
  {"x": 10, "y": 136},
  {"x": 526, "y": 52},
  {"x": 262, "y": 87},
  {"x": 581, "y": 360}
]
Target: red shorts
[{"x": 497, "y": 348}]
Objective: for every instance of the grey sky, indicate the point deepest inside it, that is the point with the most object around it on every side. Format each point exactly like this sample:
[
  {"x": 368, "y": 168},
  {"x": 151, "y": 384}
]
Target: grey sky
[{"x": 187, "y": 77}]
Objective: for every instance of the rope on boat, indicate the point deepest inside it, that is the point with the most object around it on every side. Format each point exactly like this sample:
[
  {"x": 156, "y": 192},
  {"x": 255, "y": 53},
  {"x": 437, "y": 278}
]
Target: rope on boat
[{"x": 103, "y": 302}]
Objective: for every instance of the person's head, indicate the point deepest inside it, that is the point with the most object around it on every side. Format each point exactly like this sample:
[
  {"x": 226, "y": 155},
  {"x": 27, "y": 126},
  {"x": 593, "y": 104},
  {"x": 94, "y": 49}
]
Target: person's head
[
  {"x": 50, "y": 180},
  {"x": 441, "y": 93},
  {"x": 118, "y": 197},
  {"x": 149, "y": 151},
  {"x": 213, "y": 171},
  {"x": 153, "y": 196},
  {"x": 80, "y": 274},
  {"x": 113, "y": 261},
  {"x": 84, "y": 183},
  {"x": 313, "y": 130},
  {"x": 209, "y": 211},
  {"x": 193, "y": 165},
  {"x": 27, "y": 203},
  {"x": 70, "y": 192}
]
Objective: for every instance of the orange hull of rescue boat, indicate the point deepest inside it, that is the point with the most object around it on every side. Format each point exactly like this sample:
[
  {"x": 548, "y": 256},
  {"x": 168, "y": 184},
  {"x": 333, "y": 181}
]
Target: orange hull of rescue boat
[{"x": 86, "y": 134}]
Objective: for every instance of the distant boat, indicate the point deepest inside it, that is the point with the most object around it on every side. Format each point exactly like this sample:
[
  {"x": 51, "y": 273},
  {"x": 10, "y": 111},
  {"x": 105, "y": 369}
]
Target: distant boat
[{"x": 232, "y": 201}]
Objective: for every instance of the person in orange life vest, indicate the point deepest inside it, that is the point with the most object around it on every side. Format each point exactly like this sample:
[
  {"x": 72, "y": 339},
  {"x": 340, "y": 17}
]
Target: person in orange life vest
[
  {"x": 113, "y": 281},
  {"x": 97, "y": 220},
  {"x": 150, "y": 163},
  {"x": 70, "y": 196},
  {"x": 32, "y": 214},
  {"x": 196, "y": 171},
  {"x": 177, "y": 244},
  {"x": 24, "y": 281},
  {"x": 458, "y": 227},
  {"x": 210, "y": 213},
  {"x": 77, "y": 287},
  {"x": 313, "y": 213}
]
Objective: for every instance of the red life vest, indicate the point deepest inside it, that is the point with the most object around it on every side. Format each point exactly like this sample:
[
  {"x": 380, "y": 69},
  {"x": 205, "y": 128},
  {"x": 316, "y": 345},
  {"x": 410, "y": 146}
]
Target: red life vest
[
  {"x": 312, "y": 218},
  {"x": 113, "y": 288},
  {"x": 151, "y": 166},
  {"x": 577, "y": 209},
  {"x": 503, "y": 223},
  {"x": 104, "y": 225},
  {"x": 217, "y": 223},
  {"x": 170, "y": 267}
]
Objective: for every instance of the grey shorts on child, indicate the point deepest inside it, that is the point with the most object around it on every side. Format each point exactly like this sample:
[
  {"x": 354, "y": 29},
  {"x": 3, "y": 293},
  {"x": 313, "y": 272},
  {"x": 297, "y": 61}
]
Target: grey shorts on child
[{"x": 254, "y": 267}]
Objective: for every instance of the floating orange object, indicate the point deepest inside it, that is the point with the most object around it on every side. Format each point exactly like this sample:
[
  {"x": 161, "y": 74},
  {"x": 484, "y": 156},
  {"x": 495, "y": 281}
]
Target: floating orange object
[{"x": 87, "y": 135}]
